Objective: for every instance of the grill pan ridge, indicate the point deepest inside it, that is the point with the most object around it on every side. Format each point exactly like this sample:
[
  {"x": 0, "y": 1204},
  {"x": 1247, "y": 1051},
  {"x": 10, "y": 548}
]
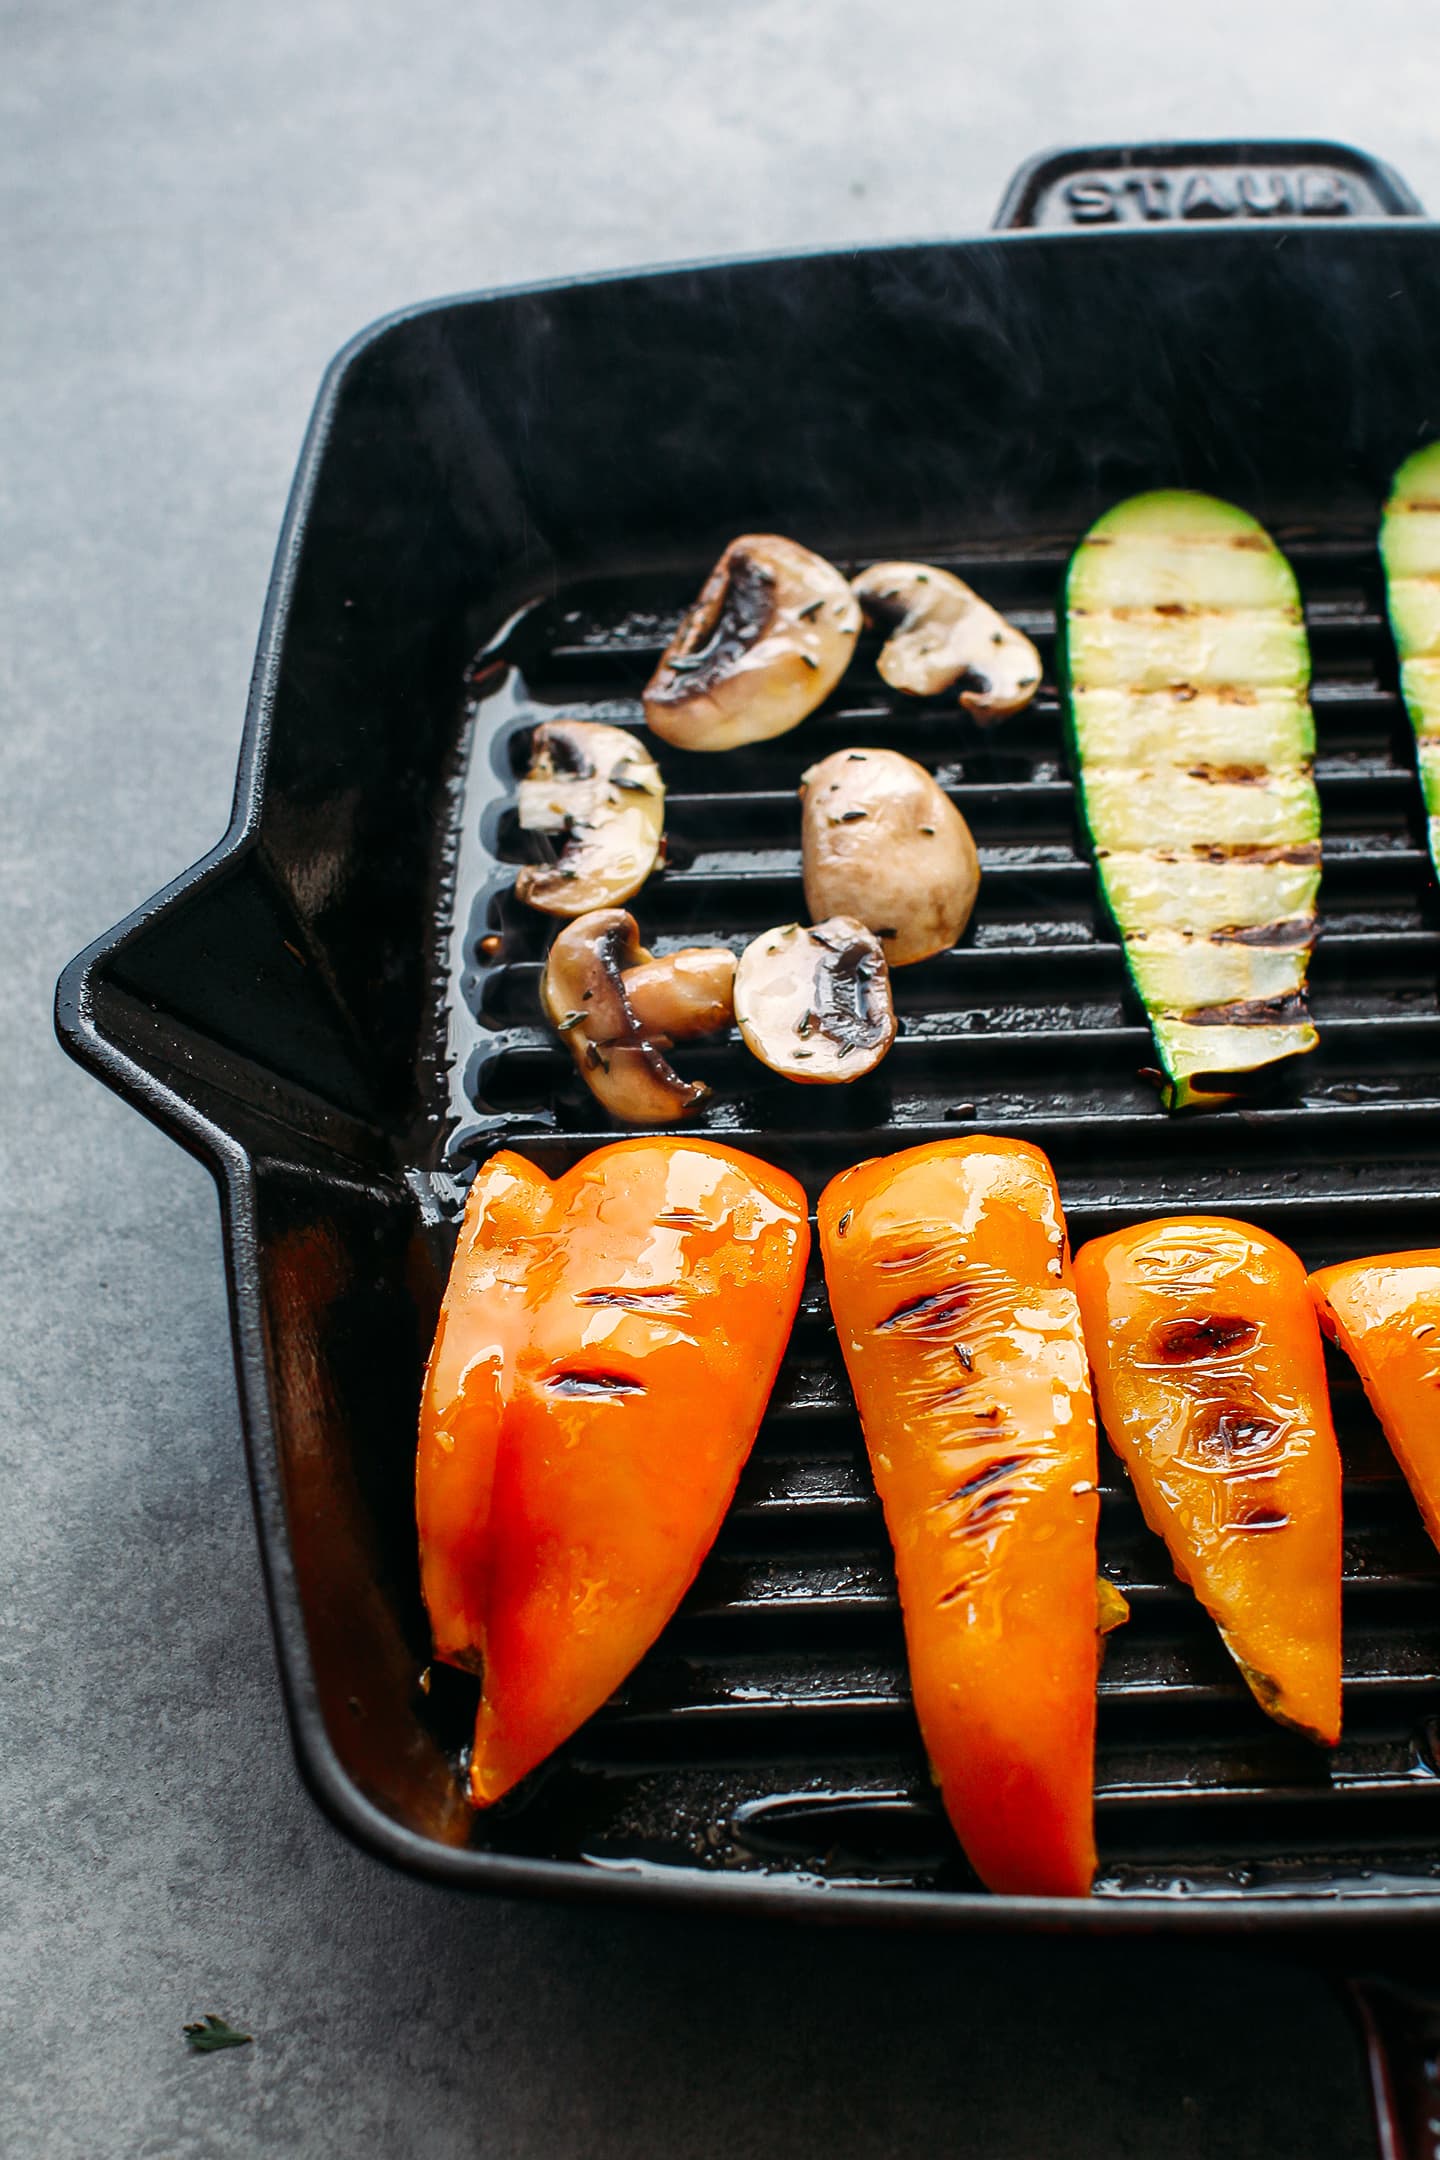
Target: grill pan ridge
[
  {"x": 769, "y": 1729},
  {"x": 313, "y": 1012}
]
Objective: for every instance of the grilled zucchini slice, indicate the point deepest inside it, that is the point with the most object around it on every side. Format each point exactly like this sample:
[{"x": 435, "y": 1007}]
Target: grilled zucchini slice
[
  {"x": 1410, "y": 551},
  {"x": 1187, "y": 675}
]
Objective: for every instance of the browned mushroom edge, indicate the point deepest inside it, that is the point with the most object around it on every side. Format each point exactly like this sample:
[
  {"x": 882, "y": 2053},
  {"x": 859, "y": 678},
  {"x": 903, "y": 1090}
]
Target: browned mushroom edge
[
  {"x": 768, "y": 638},
  {"x": 599, "y": 792},
  {"x": 618, "y": 1053},
  {"x": 942, "y": 633}
]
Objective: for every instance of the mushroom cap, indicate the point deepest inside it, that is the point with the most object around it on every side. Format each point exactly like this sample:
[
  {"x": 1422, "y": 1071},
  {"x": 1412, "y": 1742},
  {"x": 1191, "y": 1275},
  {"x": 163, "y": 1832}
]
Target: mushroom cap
[
  {"x": 583, "y": 993},
  {"x": 883, "y": 842},
  {"x": 600, "y": 788},
  {"x": 769, "y": 637},
  {"x": 814, "y": 1002},
  {"x": 940, "y": 633}
]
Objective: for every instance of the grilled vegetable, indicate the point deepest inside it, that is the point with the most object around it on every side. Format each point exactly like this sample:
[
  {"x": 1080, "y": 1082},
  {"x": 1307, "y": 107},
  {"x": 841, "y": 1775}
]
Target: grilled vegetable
[
  {"x": 883, "y": 842},
  {"x": 768, "y": 639},
  {"x": 814, "y": 1003},
  {"x": 1385, "y": 1315},
  {"x": 618, "y": 1010},
  {"x": 680, "y": 994},
  {"x": 950, "y": 1285},
  {"x": 1410, "y": 551},
  {"x": 1210, "y": 1381},
  {"x": 605, "y": 1351},
  {"x": 594, "y": 795},
  {"x": 941, "y": 633},
  {"x": 1187, "y": 676}
]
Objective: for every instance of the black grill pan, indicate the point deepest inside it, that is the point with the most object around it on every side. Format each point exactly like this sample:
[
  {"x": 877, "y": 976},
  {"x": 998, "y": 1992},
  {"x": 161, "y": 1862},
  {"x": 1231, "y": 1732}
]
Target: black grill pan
[{"x": 502, "y": 504}]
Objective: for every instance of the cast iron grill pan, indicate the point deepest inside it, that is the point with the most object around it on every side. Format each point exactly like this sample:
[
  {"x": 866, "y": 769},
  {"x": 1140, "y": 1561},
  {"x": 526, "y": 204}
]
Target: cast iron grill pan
[{"x": 769, "y": 1730}]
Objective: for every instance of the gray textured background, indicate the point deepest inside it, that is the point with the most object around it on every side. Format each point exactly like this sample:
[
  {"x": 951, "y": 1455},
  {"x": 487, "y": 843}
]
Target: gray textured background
[{"x": 201, "y": 201}]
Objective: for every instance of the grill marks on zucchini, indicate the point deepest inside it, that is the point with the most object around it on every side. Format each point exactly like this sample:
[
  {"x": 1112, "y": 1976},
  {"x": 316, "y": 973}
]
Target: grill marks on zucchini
[
  {"x": 1188, "y": 672},
  {"x": 1410, "y": 551}
]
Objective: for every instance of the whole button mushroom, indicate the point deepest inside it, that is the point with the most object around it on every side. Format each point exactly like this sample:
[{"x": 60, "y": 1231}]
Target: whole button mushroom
[
  {"x": 883, "y": 842},
  {"x": 814, "y": 1003},
  {"x": 941, "y": 633},
  {"x": 599, "y": 792},
  {"x": 769, "y": 637}
]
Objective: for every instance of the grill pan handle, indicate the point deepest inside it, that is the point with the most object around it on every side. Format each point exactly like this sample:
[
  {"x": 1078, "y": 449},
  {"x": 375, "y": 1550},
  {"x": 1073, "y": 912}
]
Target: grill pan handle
[
  {"x": 1229, "y": 183},
  {"x": 1400, "y": 2024}
]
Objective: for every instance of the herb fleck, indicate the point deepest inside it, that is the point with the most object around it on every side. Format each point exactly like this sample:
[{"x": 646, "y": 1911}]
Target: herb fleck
[
  {"x": 211, "y": 2032},
  {"x": 809, "y": 661},
  {"x": 963, "y": 1353},
  {"x": 852, "y": 817},
  {"x": 813, "y": 608},
  {"x": 844, "y": 1223}
]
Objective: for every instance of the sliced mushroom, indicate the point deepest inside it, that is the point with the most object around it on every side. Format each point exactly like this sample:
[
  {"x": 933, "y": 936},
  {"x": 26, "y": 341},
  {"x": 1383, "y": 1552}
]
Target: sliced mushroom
[
  {"x": 684, "y": 993},
  {"x": 942, "y": 633},
  {"x": 770, "y": 636},
  {"x": 884, "y": 843},
  {"x": 601, "y": 792},
  {"x": 584, "y": 995},
  {"x": 814, "y": 1004}
]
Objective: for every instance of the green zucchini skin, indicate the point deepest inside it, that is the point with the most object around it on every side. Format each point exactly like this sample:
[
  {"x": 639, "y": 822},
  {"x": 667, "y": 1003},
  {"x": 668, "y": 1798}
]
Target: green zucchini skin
[
  {"x": 1410, "y": 552},
  {"x": 1186, "y": 673}
]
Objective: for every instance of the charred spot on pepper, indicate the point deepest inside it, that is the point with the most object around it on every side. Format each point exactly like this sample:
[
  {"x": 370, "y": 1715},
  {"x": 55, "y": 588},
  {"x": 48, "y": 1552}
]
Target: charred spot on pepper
[
  {"x": 1234, "y": 1431},
  {"x": 1182, "y": 1342},
  {"x": 664, "y": 1299},
  {"x": 932, "y": 1314},
  {"x": 990, "y": 1503},
  {"x": 985, "y": 1475},
  {"x": 594, "y": 1383},
  {"x": 1261, "y": 1518}
]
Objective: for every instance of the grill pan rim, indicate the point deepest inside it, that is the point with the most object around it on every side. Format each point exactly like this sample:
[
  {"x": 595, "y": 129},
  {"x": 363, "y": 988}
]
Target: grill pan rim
[{"x": 82, "y": 1035}]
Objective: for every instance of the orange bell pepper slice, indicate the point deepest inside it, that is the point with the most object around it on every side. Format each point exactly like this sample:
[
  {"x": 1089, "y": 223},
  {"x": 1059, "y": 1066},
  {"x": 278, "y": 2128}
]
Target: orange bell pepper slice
[
  {"x": 1210, "y": 1379},
  {"x": 605, "y": 1352},
  {"x": 1385, "y": 1315},
  {"x": 950, "y": 1284}
]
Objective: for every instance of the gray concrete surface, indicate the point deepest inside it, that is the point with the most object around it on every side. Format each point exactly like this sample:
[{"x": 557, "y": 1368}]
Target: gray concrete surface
[{"x": 201, "y": 201}]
